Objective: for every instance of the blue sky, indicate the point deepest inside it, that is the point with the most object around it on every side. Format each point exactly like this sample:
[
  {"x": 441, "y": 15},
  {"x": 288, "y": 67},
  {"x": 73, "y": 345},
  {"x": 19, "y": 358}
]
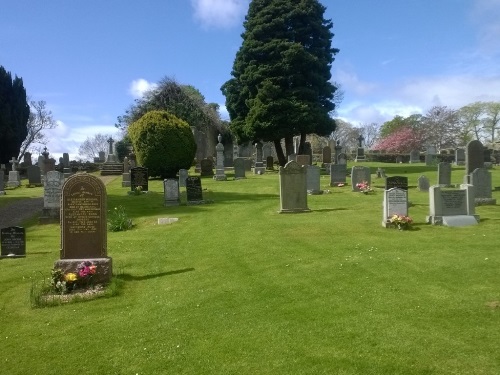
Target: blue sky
[{"x": 89, "y": 59}]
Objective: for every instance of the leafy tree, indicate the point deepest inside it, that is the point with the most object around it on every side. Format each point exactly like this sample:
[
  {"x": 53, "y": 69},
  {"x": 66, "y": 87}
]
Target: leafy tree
[
  {"x": 491, "y": 122},
  {"x": 122, "y": 147},
  {"x": 470, "y": 119},
  {"x": 399, "y": 122},
  {"x": 400, "y": 141},
  {"x": 441, "y": 127},
  {"x": 40, "y": 119},
  {"x": 346, "y": 134},
  {"x": 14, "y": 115},
  {"x": 91, "y": 147},
  {"x": 370, "y": 133},
  {"x": 163, "y": 143},
  {"x": 281, "y": 83}
]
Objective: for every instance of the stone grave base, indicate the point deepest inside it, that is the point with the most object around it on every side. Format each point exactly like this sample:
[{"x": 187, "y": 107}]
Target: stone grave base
[
  {"x": 315, "y": 192},
  {"x": 104, "y": 270},
  {"x": 293, "y": 210},
  {"x": 453, "y": 220},
  {"x": 485, "y": 201},
  {"x": 222, "y": 177},
  {"x": 259, "y": 170}
]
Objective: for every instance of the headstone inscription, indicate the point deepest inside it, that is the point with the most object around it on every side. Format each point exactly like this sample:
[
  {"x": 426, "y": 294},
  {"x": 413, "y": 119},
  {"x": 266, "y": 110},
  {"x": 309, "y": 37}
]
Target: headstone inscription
[
  {"x": 34, "y": 175},
  {"x": 400, "y": 182},
  {"x": 444, "y": 174},
  {"x": 360, "y": 174},
  {"x": 13, "y": 242},
  {"x": 293, "y": 188},
  {"x": 171, "y": 192},
  {"x": 84, "y": 225},
  {"x": 194, "y": 192},
  {"x": 452, "y": 207},
  {"x": 338, "y": 174},
  {"x": 313, "y": 177},
  {"x": 139, "y": 178},
  {"x": 239, "y": 168},
  {"x": 395, "y": 203}
]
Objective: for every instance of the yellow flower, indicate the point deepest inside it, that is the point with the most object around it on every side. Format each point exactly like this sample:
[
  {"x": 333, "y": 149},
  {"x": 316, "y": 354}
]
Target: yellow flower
[{"x": 70, "y": 276}]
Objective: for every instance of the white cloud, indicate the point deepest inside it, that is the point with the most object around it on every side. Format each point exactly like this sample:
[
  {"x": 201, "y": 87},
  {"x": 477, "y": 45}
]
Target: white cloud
[
  {"x": 219, "y": 13},
  {"x": 351, "y": 82},
  {"x": 140, "y": 86},
  {"x": 486, "y": 14}
]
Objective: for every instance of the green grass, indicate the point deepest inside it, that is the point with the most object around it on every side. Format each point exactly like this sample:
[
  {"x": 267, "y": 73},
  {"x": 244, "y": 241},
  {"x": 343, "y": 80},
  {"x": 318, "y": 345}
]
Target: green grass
[{"x": 236, "y": 288}]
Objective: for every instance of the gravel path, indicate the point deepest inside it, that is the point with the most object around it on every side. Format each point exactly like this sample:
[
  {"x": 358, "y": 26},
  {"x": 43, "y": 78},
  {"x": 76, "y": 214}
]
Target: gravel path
[{"x": 15, "y": 213}]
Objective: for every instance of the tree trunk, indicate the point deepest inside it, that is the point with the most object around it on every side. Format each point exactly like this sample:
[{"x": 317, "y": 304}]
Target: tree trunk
[
  {"x": 289, "y": 145},
  {"x": 302, "y": 143},
  {"x": 279, "y": 152}
]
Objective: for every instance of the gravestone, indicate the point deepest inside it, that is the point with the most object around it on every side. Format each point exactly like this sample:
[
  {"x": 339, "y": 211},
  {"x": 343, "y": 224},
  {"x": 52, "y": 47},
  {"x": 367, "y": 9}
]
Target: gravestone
[
  {"x": 194, "y": 192},
  {"x": 342, "y": 159},
  {"x": 313, "y": 179},
  {"x": 65, "y": 158},
  {"x": 400, "y": 182},
  {"x": 338, "y": 151},
  {"x": 267, "y": 150},
  {"x": 459, "y": 156},
  {"x": 248, "y": 164},
  {"x": 49, "y": 165},
  {"x": 14, "y": 177},
  {"x": 444, "y": 174},
  {"x": 399, "y": 159},
  {"x": 338, "y": 174},
  {"x": 308, "y": 151},
  {"x": 293, "y": 188},
  {"x": 474, "y": 157},
  {"x": 430, "y": 155},
  {"x": 41, "y": 164},
  {"x": 327, "y": 155},
  {"x": 292, "y": 157},
  {"x": 360, "y": 154},
  {"x": 220, "y": 175},
  {"x": 206, "y": 167},
  {"x": 126, "y": 173},
  {"x": 2, "y": 183},
  {"x": 395, "y": 203},
  {"x": 34, "y": 175},
  {"x": 303, "y": 160},
  {"x": 423, "y": 183},
  {"x": 414, "y": 156},
  {"x": 360, "y": 174},
  {"x": 452, "y": 207},
  {"x": 139, "y": 178},
  {"x": 84, "y": 226},
  {"x": 259, "y": 164},
  {"x": 52, "y": 186},
  {"x": 13, "y": 242},
  {"x": 183, "y": 174},
  {"x": 111, "y": 158},
  {"x": 171, "y": 192},
  {"x": 239, "y": 168},
  {"x": 270, "y": 163},
  {"x": 27, "y": 159},
  {"x": 480, "y": 178},
  {"x": 102, "y": 156}
]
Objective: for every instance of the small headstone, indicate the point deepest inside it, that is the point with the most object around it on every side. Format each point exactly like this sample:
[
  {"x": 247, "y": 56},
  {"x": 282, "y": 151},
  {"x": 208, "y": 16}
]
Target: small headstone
[
  {"x": 342, "y": 158},
  {"x": 269, "y": 163},
  {"x": 423, "y": 183},
  {"x": 13, "y": 242},
  {"x": 313, "y": 177},
  {"x": 65, "y": 160},
  {"x": 183, "y": 174},
  {"x": 395, "y": 203},
  {"x": 414, "y": 156},
  {"x": 474, "y": 156},
  {"x": 308, "y": 151},
  {"x": 248, "y": 164},
  {"x": 327, "y": 155},
  {"x": 360, "y": 154},
  {"x": 480, "y": 178},
  {"x": 360, "y": 174},
  {"x": 102, "y": 156},
  {"x": 400, "y": 182},
  {"x": 41, "y": 164},
  {"x": 456, "y": 203},
  {"x": 459, "y": 156},
  {"x": 303, "y": 160},
  {"x": 338, "y": 174},
  {"x": 206, "y": 166},
  {"x": 139, "y": 178},
  {"x": 239, "y": 168},
  {"x": 50, "y": 165},
  {"x": 34, "y": 175},
  {"x": 399, "y": 159},
  {"x": 27, "y": 159},
  {"x": 259, "y": 164},
  {"x": 194, "y": 192},
  {"x": 293, "y": 188},
  {"x": 267, "y": 150},
  {"x": 444, "y": 174},
  {"x": 171, "y": 192},
  {"x": 2, "y": 183},
  {"x": 292, "y": 157}
]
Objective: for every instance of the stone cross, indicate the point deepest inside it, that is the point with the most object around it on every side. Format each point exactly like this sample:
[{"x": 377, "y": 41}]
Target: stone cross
[
  {"x": 360, "y": 140},
  {"x": 14, "y": 162},
  {"x": 110, "y": 141},
  {"x": 45, "y": 153}
]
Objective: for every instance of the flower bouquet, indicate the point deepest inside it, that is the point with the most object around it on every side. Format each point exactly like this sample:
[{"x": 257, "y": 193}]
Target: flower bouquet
[
  {"x": 364, "y": 187},
  {"x": 401, "y": 222}
]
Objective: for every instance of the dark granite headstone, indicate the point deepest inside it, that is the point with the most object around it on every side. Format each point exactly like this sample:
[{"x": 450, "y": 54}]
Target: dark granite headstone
[
  {"x": 139, "y": 177},
  {"x": 13, "y": 242},
  {"x": 474, "y": 156},
  {"x": 400, "y": 182},
  {"x": 34, "y": 175},
  {"x": 269, "y": 163},
  {"x": 193, "y": 189},
  {"x": 206, "y": 166}
]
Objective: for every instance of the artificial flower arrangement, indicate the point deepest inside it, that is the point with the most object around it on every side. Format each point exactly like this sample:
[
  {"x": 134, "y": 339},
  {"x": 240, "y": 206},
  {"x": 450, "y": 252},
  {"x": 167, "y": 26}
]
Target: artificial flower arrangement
[
  {"x": 364, "y": 187},
  {"x": 67, "y": 282},
  {"x": 401, "y": 222}
]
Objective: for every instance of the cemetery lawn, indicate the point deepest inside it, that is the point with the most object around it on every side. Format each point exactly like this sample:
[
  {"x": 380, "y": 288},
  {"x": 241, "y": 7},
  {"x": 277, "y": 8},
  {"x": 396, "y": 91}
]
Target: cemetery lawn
[{"x": 234, "y": 287}]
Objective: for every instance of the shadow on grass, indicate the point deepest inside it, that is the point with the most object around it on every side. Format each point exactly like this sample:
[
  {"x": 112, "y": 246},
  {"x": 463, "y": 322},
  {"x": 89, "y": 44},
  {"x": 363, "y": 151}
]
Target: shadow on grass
[
  {"x": 329, "y": 209},
  {"x": 128, "y": 277}
]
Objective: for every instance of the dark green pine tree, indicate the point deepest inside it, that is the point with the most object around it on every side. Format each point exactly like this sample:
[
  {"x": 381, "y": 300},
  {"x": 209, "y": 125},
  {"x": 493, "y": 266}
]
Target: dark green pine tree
[
  {"x": 281, "y": 78},
  {"x": 14, "y": 114}
]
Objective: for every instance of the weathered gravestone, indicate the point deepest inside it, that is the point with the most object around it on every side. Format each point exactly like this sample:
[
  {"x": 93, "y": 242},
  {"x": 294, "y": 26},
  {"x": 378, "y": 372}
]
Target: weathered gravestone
[
  {"x": 259, "y": 164},
  {"x": 13, "y": 242},
  {"x": 395, "y": 203},
  {"x": 452, "y": 207},
  {"x": 293, "y": 188},
  {"x": 338, "y": 174},
  {"x": 292, "y": 157},
  {"x": 327, "y": 155},
  {"x": 313, "y": 178},
  {"x": 474, "y": 157},
  {"x": 27, "y": 159},
  {"x": 399, "y": 159},
  {"x": 84, "y": 226},
  {"x": 206, "y": 166},
  {"x": 183, "y": 174},
  {"x": 459, "y": 156},
  {"x": 52, "y": 187},
  {"x": 220, "y": 174},
  {"x": 194, "y": 192},
  {"x": 430, "y": 155},
  {"x": 480, "y": 178},
  {"x": 269, "y": 163},
  {"x": 34, "y": 175},
  {"x": 444, "y": 174},
  {"x": 423, "y": 183},
  {"x": 126, "y": 173},
  {"x": 414, "y": 156},
  {"x": 303, "y": 159},
  {"x": 171, "y": 192},
  {"x": 360, "y": 174},
  {"x": 14, "y": 177},
  {"x": 400, "y": 182},
  {"x": 239, "y": 168},
  {"x": 248, "y": 164},
  {"x": 342, "y": 158},
  {"x": 139, "y": 179},
  {"x": 2, "y": 183}
]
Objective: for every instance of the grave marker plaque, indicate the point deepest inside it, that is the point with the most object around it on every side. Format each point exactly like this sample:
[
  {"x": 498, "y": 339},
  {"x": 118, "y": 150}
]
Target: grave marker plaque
[
  {"x": 139, "y": 177},
  {"x": 395, "y": 203},
  {"x": 13, "y": 242},
  {"x": 193, "y": 189}
]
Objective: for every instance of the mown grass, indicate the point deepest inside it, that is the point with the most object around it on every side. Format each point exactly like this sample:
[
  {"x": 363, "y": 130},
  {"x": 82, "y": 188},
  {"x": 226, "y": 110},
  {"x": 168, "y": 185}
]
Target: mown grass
[{"x": 234, "y": 287}]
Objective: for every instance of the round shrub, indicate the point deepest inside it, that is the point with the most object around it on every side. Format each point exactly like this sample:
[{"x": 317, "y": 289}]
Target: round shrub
[{"x": 163, "y": 143}]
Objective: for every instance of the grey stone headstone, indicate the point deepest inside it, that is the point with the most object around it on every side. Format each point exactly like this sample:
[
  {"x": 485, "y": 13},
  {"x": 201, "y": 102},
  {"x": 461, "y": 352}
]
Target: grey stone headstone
[
  {"x": 342, "y": 158},
  {"x": 338, "y": 174},
  {"x": 474, "y": 156},
  {"x": 360, "y": 174},
  {"x": 52, "y": 189},
  {"x": 2, "y": 183},
  {"x": 459, "y": 156},
  {"x": 34, "y": 175},
  {"x": 183, "y": 174},
  {"x": 102, "y": 156},
  {"x": 27, "y": 159},
  {"x": 313, "y": 177},
  {"x": 423, "y": 183},
  {"x": 444, "y": 174},
  {"x": 293, "y": 188},
  {"x": 414, "y": 156},
  {"x": 267, "y": 150},
  {"x": 395, "y": 202},
  {"x": 292, "y": 157},
  {"x": 171, "y": 192},
  {"x": 303, "y": 160},
  {"x": 480, "y": 178},
  {"x": 239, "y": 168},
  {"x": 327, "y": 155},
  {"x": 452, "y": 202}
]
